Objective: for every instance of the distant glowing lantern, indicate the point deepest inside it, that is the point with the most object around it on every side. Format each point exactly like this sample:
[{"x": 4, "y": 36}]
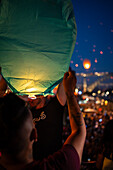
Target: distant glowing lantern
[
  {"x": 94, "y": 46},
  {"x": 71, "y": 62},
  {"x": 96, "y": 60},
  {"x": 101, "y": 52},
  {"x": 93, "y": 50},
  {"x": 86, "y": 64},
  {"x": 76, "y": 65}
]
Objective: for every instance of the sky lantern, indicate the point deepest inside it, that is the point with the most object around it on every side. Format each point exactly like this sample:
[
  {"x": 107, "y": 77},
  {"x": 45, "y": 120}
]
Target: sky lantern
[
  {"x": 86, "y": 64},
  {"x": 101, "y": 52},
  {"x": 96, "y": 60},
  {"x": 37, "y": 39}
]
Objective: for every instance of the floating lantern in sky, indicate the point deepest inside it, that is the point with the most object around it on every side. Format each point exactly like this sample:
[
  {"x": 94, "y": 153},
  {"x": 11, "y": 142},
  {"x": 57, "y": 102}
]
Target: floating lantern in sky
[
  {"x": 71, "y": 62},
  {"x": 37, "y": 39},
  {"x": 101, "y": 52},
  {"x": 94, "y": 46},
  {"x": 86, "y": 64},
  {"x": 109, "y": 48},
  {"x": 95, "y": 60},
  {"x": 76, "y": 65},
  {"x": 93, "y": 50}
]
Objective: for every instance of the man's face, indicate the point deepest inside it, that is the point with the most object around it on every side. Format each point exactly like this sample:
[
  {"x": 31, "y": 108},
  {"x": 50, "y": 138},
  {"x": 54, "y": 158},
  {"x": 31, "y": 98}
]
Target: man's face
[{"x": 38, "y": 102}]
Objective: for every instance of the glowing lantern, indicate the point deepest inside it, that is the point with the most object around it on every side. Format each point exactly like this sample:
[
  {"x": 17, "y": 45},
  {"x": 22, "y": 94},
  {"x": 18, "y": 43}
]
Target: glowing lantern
[
  {"x": 95, "y": 60},
  {"x": 37, "y": 39},
  {"x": 76, "y": 65},
  {"x": 86, "y": 64},
  {"x": 93, "y": 50},
  {"x": 101, "y": 52}
]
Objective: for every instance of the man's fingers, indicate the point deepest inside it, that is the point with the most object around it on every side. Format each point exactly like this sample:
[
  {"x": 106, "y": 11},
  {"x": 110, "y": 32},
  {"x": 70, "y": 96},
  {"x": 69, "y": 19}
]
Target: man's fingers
[
  {"x": 66, "y": 75},
  {"x": 69, "y": 69},
  {"x": 72, "y": 71}
]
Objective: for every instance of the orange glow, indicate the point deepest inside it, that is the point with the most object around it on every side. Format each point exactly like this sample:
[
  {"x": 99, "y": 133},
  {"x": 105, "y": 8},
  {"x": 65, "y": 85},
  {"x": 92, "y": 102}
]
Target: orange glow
[
  {"x": 100, "y": 109},
  {"x": 76, "y": 65},
  {"x": 95, "y": 60},
  {"x": 106, "y": 102},
  {"x": 93, "y": 50},
  {"x": 86, "y": 64},
  {"x": 101, "y": 52}
]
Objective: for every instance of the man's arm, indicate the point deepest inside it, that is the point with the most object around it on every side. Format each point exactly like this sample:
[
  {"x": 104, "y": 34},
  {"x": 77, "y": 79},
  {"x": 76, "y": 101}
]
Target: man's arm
[
  {"x": 78, "y": 134},
  {"x": 61, "y": 96}
]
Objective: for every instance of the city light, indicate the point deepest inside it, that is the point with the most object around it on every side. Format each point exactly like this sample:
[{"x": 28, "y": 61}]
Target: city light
[
  {"x": 80, "y": 92},
  {"x": 76, "y": 91},
  {"x": 106, "y": 102},
  {"x": 103, "y": 93},
  {"x": 93, "y": 94},
  {"x": 107, "y": 93},
  {"x": 99, "y": 91}
]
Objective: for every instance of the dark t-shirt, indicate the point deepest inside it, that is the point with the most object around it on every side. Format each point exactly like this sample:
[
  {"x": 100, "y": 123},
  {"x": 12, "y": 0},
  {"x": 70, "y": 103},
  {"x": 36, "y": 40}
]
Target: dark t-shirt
[
  {"x": 65, "y": 159},
  {"x": 49, "y": 129}
]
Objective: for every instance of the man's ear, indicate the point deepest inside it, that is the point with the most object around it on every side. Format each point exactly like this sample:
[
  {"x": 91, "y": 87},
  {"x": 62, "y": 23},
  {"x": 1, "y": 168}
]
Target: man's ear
[{"x": 34, "y": 135}]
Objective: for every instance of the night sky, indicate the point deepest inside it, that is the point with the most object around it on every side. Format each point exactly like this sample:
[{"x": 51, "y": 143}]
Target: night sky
[{"x": 94, "y": 35}]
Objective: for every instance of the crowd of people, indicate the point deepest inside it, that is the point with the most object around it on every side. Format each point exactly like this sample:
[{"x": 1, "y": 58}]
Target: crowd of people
[{"x": 93, "y": 148}]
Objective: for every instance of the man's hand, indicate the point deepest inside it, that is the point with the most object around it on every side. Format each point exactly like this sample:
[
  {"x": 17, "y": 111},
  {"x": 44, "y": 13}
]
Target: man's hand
[
  {"x": 69, "y": 82},
  {"x": 3, "y": 85}
]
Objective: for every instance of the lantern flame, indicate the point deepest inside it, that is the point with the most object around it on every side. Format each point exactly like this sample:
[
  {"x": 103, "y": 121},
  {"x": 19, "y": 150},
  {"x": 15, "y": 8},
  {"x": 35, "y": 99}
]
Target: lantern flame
[{"x": 86, "y": 64}]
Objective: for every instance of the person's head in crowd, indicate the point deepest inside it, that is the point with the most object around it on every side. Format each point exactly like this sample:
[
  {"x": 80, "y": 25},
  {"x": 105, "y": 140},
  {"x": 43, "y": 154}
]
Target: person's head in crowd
[
  {"x": 17, "y": 130},
  {"x": 3, "y": 85},
  {"x": 108, "y": 138}
]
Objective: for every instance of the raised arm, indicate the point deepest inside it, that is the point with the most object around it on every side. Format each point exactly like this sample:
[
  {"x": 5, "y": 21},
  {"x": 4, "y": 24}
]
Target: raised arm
[
  {"x": 78, "y": 134},
  {"x": 61, "y": 96}
]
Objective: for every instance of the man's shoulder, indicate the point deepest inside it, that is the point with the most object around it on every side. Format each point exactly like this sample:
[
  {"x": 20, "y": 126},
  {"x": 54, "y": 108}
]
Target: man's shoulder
[
  {"x": 66, "y": 159},
  {"x": 53, "y": 101}
]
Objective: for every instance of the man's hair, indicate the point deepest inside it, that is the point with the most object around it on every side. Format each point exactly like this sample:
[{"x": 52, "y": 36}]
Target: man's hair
[{"x": 13, "y": 114}]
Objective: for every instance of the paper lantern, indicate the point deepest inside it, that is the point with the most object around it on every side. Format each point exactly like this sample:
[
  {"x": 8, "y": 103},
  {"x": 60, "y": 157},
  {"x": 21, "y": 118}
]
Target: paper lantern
[
  {"x": 86, "y": 64},
  {"x": 37, "y": 39}
]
